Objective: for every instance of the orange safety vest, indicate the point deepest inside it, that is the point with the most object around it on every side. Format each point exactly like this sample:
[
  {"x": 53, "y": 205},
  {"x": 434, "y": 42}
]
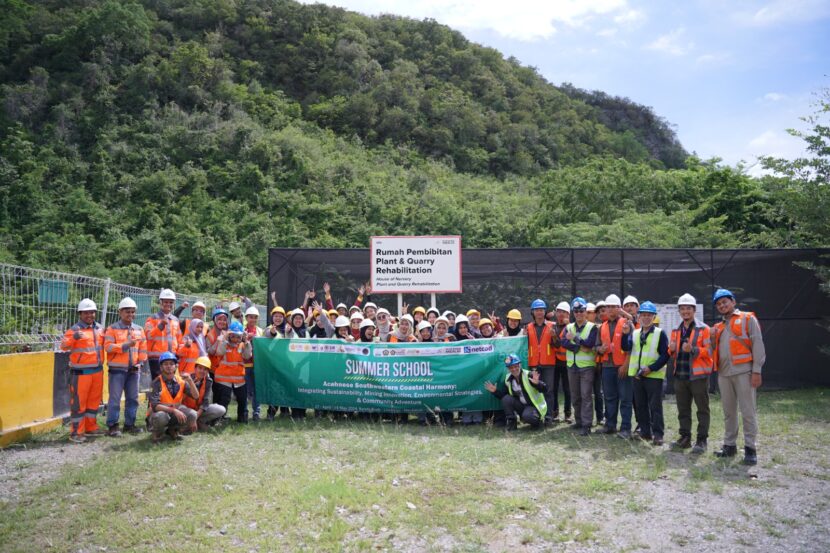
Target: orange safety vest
[
  {"x": 702, "y": 362},
  {"x": 168, "y": 399},
  {"x": 231, "y": 369},
  {"x": 394, "y": 339},
  {"x": 114, "y": 339},
  {"x": 211, "y": 339},
  {"x": 158, "y": 340},
  {"x": 85, "y": 353},
  {"x": 616, "y": 353},
  {"x": 186, "y": 330},
  {"x": 187, "y": 357},
  {"x": 740, "y": 345},
  {"x": 540, "y": 352},
  {"x": 561, "y": 351},
  {"x": 196, "y": 404}
]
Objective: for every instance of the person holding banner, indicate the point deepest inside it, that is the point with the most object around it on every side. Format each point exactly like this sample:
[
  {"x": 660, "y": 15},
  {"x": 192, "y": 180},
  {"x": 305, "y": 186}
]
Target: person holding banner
[
  {"x": 404, "y": 332},
  {"x": 474, "y": 317},
  {"x": 580, "y": 337},
  {"x": 278, "y": 327},
  {"x": 523, "y": 395},
  {"x": 441, "y": 332},
  {"x": 424, "y": 331},
  {"x": 462, "y": 328}
]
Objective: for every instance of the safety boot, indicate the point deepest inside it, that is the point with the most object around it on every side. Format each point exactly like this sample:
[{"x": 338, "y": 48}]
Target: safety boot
[
  {"x": 685, "y": 442},
  {"x": 750, "y": 456},
  {"x": 727, "y": 451}
]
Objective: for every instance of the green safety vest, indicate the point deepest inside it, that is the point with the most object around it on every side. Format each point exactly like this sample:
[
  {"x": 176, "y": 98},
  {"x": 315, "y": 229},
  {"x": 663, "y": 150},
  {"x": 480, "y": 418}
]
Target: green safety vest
[
  {"x": 581, "y": 359},
  {"x": 536, "y": 397},
  {"x": 643, "y": 356}
]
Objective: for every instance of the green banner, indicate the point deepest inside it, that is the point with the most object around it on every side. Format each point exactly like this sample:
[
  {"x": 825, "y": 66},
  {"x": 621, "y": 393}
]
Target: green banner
[{"x": 381, "y": 377}]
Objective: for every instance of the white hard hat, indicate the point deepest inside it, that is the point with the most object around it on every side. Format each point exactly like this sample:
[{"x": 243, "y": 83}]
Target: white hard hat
[
  {"x": 409, "y": 318},
  {"x": 631, "y": 299},
  {"x": 462, "y": 319},
  {"x": 383, "y": 310},
  {"x": 87, "y": 305},
  {"x": 442, "y": 319},
  {"x": 424, "y": 324},
  {"x": 590, "y": 307},
  {"x": 357, "y": 315},
  {"x": 563, "y": 306},
  {"x": 366, "y": 322},
  {"x": 600, "y": 303},
  {"x": 447, "y": 314},
  {"x": 370, "y": 304},
  {"x": 252, "y": 311},
  {"x": 613, "y": 301},
  {"x": 341, "y": 321},
  {"x": 199, "y": 304},
  {"x": 687, "y": 299},
  {"x": 293, "y": 312},
  {"x": 233, "y": 306},
  {"x": 433, "y": 310},
  {"x": 167, "y": 294},
  {"x": 343, "y": 305},
  {"x": 127, "y": 303}
]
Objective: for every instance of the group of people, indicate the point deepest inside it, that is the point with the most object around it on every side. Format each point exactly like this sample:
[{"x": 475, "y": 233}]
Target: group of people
[{"x": 609, "y": 358}]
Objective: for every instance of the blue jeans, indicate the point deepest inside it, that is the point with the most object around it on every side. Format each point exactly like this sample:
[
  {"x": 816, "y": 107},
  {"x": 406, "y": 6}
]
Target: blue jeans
[
  {"x": 249, "y": 382},
  {"x": 126, "y": 383},
  {"x": 619, "y": 394}
]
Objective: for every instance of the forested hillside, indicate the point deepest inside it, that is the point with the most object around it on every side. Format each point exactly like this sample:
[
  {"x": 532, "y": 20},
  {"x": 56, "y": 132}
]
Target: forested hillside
[{"x": 171, "y": 142}]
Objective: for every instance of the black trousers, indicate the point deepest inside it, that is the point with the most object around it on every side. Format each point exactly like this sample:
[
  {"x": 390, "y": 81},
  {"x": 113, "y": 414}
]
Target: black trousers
[
  {"x": 686, "y": 391},
  {"x": 514, "y": 408},
  {"x": 560, "y": 376},
  {"x": 155, "y": 368},
  {"x": 648, "y": 401},
  {"x": 598, "y": 402},
  {"x": 222, "y": 396}
]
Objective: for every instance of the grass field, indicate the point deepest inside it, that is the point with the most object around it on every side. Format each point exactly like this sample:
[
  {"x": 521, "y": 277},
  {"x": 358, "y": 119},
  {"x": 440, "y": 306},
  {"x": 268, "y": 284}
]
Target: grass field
[{"x": 324, "y": 486}]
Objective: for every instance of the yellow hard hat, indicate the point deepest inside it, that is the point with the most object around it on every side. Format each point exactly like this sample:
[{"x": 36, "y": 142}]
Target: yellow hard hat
[
  {"x": 485, "y": 321},
  {"x": 204, "y": 361},
  {"x": 514, "y": 314},
  {"x": 333, "y": 312},
  {"x": 471, "y": 311},
  {"x": 278, "y": 309},
  {"x": 420, "y": 310}
]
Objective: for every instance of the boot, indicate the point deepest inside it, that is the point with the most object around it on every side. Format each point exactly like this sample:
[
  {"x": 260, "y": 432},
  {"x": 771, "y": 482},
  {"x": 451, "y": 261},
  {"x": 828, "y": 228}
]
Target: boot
[
  {"x": 700, "y": 446},
  {"x": 585, "y": 431},
  {"x": 750, "y": 456},
  {"x": 685, "y": 442},
  {"x": 133, "y": 429},
  {"x": 113, "y": 431},
  {"x": 727, "y": 451},
  {"x": 512, "y": 424},
  {"x": 606, "y": 430}
]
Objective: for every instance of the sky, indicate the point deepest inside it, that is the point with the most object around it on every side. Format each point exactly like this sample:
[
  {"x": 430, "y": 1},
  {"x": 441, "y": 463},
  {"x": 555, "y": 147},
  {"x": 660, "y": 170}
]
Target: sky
[{"x": 731, "y": 76}]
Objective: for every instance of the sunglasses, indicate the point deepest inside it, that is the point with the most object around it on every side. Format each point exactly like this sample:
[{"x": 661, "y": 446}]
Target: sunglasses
[{"x": 579, "y": 310}]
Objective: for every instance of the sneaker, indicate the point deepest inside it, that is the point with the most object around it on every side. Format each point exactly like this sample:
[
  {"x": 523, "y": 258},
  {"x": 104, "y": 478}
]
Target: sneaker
[
  {"x": 584, "y": 431},
  {"x": 700, "y": 447},
  {"x": 77, "y": 438},
  {"x": 606, "y": 430},
  {"x": 568, "y": 419},
  {"x": 114, "y": 431},
  {"x": 685, "y": 442},
  {"x": 750, "y": 457},
  {"x": 624, "y": 434},
  {"x": 727, "y": 451},
  {"x": 646, "y": 438}
]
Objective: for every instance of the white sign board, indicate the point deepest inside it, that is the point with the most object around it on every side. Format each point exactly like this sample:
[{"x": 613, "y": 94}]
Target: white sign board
[
  {"x": 415, "y": 264},
  {"x": 670, "y": 316}
]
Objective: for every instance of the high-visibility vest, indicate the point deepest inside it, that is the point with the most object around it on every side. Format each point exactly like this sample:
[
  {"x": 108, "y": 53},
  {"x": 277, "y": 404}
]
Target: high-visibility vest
[
  {"x": 187, "y": 357},
  {"x": 186, "y": 329},
  {"x": 115, "y": 337},
  {"x": 581, "y": 359},
  {"x": 562, "y": 351},
  {"x": 196, "y": 404},
  {"x": 231, "y": 369},
  {"x": 615, "y": 353},
  {"x": 537, "y": 398},
  {"x": 256, "y": 334},
  {"x": 643, "y": 355},
  {"x": 540, "y": 352},
  {"x": 166, "y": 398},
  {"x": 740, "y": 344},
  {"x": 211, "y": 340},
  {"x": 701, "y": 362},
  {"x": 87, "y": 352},
  {"x": 394, "y": 339},
  {"x": 161, "y": 340}
]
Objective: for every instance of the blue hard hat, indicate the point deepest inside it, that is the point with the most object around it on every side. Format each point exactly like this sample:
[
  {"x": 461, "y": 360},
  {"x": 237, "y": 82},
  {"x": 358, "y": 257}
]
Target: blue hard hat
[
  {"x": 236, "y": 327},
  {"x": 167, "y": 356},
  {"x": 579, "y": 301},
  {"x": 219, "y": 311},
  {"x": 722, "y": 293},
  {"x": 538, "y": 304},
  {"x": 648, "y": 307},
  {"x": 512, "y": 359}
]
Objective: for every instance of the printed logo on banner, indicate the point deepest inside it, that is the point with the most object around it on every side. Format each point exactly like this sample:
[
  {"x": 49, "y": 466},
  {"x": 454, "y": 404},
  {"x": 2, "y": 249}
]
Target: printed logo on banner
[
  {"x": 328, "y": 348},
  {"x": 421, "y": 352}
]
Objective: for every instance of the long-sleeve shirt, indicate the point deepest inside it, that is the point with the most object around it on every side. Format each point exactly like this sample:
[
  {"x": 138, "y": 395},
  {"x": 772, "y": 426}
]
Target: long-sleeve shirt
[
  {"x": 662, "y": 349},
  {"x": 518, "y": 389},
  {"x": 759, "y": 353},
  {"x": 172, "y": 387},
  {"x": 577, "y": 342}
]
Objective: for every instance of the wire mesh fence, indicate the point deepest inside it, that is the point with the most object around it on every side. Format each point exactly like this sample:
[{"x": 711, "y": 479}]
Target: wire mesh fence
[{"x": 37, "y": 306}]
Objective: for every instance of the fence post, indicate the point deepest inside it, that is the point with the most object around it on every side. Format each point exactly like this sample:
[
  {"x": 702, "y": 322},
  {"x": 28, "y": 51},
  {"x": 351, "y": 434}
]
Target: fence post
[{"x": 106, "y": 300}]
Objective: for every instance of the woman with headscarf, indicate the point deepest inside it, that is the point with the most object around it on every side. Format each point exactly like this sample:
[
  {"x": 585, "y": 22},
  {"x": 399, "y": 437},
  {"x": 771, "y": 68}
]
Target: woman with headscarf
[
  {"x": 192, "y": 347},
  {"x": 462, "y": 328},
  {"x": 441, "y": 331},
  {"x": 514, "y": 324},
  {"x": 279, "y": 327},
  {"x": 383, "y": 321},
  {"x": 405, "y": 331}
]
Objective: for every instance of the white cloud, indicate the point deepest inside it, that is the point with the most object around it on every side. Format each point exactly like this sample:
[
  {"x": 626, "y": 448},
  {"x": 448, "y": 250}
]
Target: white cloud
[
  {"x": 773, "y": 143},
  {"x": 526, "y": 20},
  {"x": 778, "y": 12},
  {"x": 714, "y": 59},
  {"x": 673, "y": 43},
  {"x": 774, "y": 97},
  {"x": 630, "y": 17}
]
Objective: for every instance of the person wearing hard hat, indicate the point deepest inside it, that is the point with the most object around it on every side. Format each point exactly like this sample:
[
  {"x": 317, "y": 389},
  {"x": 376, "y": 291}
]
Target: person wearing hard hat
[
  {"x": 689, "y": 345},
  {"x": 253, "y": 331},
  {"x": 234, "y": 348},
  {"x": 404, "y": 332},
  {"x": 354, "y": 324},
  {"x": 162, "y": 331},
  {"x": 167, "y": 413},
  {"x": 383, "y": 322},
  {"x": 85, "y": 342},
  {"x": 221, "y": 320},
  {"x": 441, "y": 330},
  {"x": 592, "y": 313},
  {"x": 615, "y": 343},
  {"x": 424, "y": 331},
  {"x": 207, "y": 412},
  {"x": 237, "y": 309},
  {"x": 126, "y": 350},
  {"x": 432, "y": 315},
  {"x": 513, "y": 327},
  {"x": 579, "y": 339},
  {"x": 474, "y": 317},
  {"x": 522, "y": 395},
  {"x": 369, "y": 311},
  {"x": 367, "y": 331},
  {"x": 277, "y": 328},
  {"x": 631, "y": 310},
  {"x": 462, "y": 329},
  {"x": 341, "y": 329},
  {"x": 560, "y": 371},
  {"x": 739, "y": 356},
  {"x": 196, "y": 312},
  {"x": 193, "y": 345},
  {"x": 647, "y": 365},
  {"x": 418, "y": 315},
  {"x": 450, "y": 316},
  {"x": 541, "y": 348}
]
